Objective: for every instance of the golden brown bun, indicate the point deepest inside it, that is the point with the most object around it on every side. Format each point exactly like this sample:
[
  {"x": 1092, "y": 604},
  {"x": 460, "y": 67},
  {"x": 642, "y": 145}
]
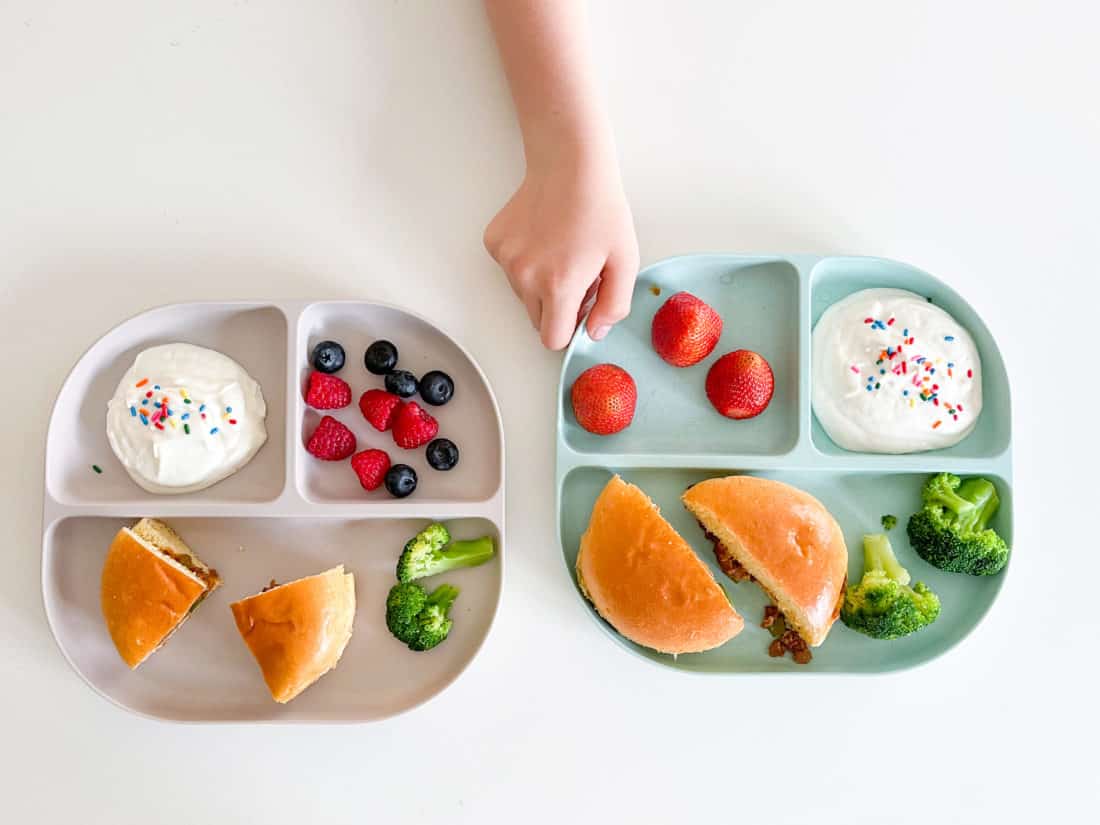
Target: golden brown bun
[
  {"x": 298, "y": 631},
  {"x": 646, "y": 581},
  {"x": 145, "y": 594},
  {"x": 787, "y": 541}
]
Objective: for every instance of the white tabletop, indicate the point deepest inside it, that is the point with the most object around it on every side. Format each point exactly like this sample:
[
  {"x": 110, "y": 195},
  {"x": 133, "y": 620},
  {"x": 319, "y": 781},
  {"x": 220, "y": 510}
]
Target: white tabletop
[{"x": 160, "y": 152}]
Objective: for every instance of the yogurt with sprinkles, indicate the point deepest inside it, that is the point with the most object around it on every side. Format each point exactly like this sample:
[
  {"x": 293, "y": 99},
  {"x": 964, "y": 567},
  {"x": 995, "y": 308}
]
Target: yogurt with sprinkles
[
  {"x": 185, "y": 417},
  {"x": 894, "y": 373}
]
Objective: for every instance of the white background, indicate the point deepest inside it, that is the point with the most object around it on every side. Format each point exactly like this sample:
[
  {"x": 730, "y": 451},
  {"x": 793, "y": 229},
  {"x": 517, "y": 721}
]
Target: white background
[{"x": 164, "y": 151}]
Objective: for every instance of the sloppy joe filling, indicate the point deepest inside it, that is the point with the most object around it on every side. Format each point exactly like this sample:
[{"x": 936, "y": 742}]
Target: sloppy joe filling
[{"x": 785, "y": 639}]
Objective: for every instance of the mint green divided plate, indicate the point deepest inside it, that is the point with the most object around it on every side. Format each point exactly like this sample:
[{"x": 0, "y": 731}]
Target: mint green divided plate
[{"x": 769, "y": 304}]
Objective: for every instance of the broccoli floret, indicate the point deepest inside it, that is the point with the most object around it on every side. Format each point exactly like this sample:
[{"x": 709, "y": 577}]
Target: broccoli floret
[
  {"x": 417, "y": 618},
  {"x": 427, "y": 553},
  {"x": 950, "y": 530},
  {"x": 889, "y": 522},
  {"x": 882, "y": 605}
]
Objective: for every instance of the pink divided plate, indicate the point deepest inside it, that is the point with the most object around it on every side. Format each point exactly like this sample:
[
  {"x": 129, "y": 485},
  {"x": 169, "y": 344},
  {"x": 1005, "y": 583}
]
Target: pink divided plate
[{"x": 283, "y": 516}]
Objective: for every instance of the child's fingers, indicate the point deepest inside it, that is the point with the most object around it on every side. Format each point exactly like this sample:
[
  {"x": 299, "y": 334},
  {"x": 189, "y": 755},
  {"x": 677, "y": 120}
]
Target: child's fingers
[
  {"x": 559, "y": 319},
  {"x": 613, "y": 299},
  {"x": 534, "y": 311}
]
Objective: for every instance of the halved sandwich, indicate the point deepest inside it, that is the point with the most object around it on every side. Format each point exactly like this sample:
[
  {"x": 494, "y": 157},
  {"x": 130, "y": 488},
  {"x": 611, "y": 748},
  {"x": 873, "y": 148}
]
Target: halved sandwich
[
  {"x": 151, "y": 582},
  {"x": 298, "y": 631},
  {"x": 645, "y": 580},
  {"x": 785, "y": 540}
]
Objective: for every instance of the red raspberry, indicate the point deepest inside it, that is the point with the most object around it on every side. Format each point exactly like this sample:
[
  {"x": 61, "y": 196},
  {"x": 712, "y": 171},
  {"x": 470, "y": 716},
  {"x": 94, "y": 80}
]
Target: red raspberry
[
  {"x": 371, "y": 467},
  {"x": 331, "y": 441},
  {"x": 379, "y": 408},
  {"x": 412, "y": 427},
  {"x": 327, "y": 392}
]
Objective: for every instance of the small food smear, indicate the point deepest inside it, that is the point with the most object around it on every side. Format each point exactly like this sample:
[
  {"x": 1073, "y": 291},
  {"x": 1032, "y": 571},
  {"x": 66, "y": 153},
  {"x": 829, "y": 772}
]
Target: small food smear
[{"x": 656, "y": 290}]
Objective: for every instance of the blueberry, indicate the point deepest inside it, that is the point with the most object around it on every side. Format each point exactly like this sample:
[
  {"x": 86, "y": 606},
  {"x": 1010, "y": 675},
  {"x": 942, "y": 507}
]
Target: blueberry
[
  {"x": 400, "y": 480},
  {"x": 442, "y": 454},
  {"x": 436, "y": 388},
  {"x": 381, "y": 357},
  {"x": 401, "y": 382},
  {"x": 327, "y": 356}
]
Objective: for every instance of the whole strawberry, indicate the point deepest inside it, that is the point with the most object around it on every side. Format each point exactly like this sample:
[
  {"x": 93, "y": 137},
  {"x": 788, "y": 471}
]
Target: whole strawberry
[
  {"x": 370, "y": 466},
  {"x": 327, "y": 392},
  {"x": 331, "y": 441},
  {"x": 685, "y": 330},
  {"x": 740, "y": 384},
  {"x": 604, "y": 397},
  {"x": 412, "y": 427},
  {"x": 379, "y": 408}
]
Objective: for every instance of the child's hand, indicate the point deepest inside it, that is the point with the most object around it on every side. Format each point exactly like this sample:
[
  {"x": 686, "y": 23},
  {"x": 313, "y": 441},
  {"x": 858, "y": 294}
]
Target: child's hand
[{"x": 566, "y": 239}]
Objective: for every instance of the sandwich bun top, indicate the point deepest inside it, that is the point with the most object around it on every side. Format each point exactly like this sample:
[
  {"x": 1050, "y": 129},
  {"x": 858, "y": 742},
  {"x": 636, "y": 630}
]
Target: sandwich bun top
[
  {"x": 787, "y": 541},
  {"x": 298, "y": 631},
  {"x": 645, "y": 580},
  {"x": 145, "y": 594}
]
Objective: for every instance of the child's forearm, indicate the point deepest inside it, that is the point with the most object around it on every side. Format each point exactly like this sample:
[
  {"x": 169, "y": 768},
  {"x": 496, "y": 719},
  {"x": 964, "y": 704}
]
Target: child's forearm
[
  {"x": 566, "y": 237},
  {"x": 544, "y": 45}
]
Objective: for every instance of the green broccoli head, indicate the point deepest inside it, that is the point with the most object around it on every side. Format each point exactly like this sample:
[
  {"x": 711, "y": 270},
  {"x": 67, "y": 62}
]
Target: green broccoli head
[
  {"x": 434, "y": 623},
  {"x": 882, "y": 605},
  {"x": 428, "y": 553},
  {"x": 950, "y": 530},
  {"x": 889, "y": 522},
  {"x": 404, "y": 603},
  {"x": 417, "y": 618}
]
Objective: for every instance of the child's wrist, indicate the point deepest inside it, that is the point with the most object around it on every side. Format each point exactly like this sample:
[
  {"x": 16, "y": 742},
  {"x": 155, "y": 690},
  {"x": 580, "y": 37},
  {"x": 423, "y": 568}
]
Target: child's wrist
[{"x": 579, "y": 146}]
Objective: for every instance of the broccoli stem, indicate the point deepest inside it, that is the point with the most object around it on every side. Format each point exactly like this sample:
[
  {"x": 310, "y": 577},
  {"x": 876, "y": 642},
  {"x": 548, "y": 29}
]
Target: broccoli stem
[
  {"x": 471, "y": 552},
  {"x": 983, "y": 499},
  {"x": 878, "y": 555},
  {"x": 443, "y": 596}
]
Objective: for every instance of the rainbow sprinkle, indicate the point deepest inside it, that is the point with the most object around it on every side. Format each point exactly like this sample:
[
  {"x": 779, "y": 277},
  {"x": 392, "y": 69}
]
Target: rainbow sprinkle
[
  {"x": 924, "y": 378},
  {"x": 163, "y": 416},
  {"x": 97, "y": 469}
]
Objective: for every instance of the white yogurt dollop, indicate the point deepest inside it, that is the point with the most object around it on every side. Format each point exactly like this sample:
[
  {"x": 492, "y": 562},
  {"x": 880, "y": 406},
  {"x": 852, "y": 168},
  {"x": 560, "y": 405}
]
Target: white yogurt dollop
[
  {"x": 185, "y": 417},
  {"x": 893, "y": 373}
]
